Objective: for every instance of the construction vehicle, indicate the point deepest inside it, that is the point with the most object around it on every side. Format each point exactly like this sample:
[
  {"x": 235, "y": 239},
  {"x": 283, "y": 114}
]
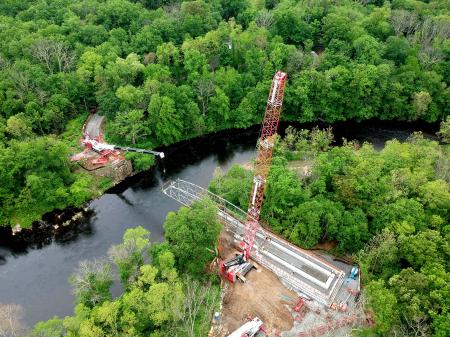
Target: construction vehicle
[
  {"x": 299, "y": 305},
  {"x": 97, "y": 145},
  {"x": 233, "y": 267},
  {"x": 249, "y": 329},
  {"x": 107, "y": 152}
]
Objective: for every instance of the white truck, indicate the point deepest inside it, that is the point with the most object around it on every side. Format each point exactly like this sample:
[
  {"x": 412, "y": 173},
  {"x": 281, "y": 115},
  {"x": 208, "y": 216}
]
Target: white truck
[{"x": 249, "y": 329}]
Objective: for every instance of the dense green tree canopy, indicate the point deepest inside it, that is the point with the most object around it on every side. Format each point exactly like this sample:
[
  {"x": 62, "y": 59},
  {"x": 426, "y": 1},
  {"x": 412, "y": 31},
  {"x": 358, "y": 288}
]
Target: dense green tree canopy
[
  {"x": 167, "y": 70},
  {"x": 36, "y": 178},
  {"x": 193, "y": 233},
  {"x": 388, "y": 207}
]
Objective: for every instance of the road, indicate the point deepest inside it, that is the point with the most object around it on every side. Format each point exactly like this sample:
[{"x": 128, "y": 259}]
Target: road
[{"x": 94, "y": 125}]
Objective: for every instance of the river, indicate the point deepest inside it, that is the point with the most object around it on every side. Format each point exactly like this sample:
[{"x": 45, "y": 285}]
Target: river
[{"x": 37, "y": 278}]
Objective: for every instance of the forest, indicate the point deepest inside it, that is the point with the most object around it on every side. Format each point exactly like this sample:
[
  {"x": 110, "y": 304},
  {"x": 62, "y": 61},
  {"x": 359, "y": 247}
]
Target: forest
[
  {"x": 165, "y": 70},
  {"x": 388, "y": 209}
]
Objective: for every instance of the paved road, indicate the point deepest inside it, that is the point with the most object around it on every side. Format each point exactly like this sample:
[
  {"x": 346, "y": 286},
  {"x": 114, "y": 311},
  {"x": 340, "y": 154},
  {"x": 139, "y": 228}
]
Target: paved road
[{"x": 94, "y": 125}]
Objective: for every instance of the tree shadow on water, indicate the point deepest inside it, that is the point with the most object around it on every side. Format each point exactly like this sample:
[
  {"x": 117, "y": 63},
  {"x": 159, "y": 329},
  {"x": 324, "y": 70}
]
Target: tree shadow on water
[{"x": 60, "y": 227}]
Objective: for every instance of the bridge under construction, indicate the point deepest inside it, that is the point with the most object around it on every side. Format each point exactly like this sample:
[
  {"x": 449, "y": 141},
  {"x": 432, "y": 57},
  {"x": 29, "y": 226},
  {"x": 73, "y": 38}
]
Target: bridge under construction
[{"x": 300, "y": 270}]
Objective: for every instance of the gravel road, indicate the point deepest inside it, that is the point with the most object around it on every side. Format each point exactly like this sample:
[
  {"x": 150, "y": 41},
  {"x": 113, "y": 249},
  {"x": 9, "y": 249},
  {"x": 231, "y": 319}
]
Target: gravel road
[{"x": 94, "y": 125}]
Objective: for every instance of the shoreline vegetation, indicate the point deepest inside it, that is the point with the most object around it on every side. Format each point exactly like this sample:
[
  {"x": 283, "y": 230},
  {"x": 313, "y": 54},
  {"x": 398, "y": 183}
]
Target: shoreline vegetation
[
  {"x": 388, "y": 209},
  {"x": 395, "y": 229},
  {"x": 163, "y": 72},
  {"x": 166, "y": 71},
  {"x": 53, "y": 222}
]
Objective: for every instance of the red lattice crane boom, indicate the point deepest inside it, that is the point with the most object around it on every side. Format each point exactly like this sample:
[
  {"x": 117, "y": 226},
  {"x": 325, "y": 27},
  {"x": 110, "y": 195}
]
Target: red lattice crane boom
[
  {"x": 263, "y": 160},
  {"x": 239, "y": 265}
]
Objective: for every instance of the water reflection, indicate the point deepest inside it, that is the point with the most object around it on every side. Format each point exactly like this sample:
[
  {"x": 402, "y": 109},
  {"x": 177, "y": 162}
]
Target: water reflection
[{"x": 34, "y": 272}]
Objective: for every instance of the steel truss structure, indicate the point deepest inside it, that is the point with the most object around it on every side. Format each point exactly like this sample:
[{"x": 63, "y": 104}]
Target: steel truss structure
[{"x": 298, "y": 269}]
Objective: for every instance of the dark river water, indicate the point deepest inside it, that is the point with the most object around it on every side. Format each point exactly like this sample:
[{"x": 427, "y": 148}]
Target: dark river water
[{"x": 37, "y": 278}]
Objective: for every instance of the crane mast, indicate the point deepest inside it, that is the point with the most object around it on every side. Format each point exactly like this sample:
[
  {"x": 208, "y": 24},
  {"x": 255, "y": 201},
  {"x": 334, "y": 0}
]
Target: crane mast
[{"x": 263, "y": 159}]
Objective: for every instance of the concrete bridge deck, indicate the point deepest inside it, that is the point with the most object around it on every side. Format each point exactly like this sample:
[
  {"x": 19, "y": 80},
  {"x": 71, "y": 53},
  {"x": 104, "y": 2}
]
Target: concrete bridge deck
[{"x": 298, "y": 269}]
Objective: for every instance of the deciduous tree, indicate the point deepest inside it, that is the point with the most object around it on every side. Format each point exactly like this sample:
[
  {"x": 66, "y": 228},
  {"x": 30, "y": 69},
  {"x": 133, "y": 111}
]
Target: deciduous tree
[
  {"x": 130, "y": 255},
  {"x": 91, "y": 282},
  {"x": 190, "y": 232}
]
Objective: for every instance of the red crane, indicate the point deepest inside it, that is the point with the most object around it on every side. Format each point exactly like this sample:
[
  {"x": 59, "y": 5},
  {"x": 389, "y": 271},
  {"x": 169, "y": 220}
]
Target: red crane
[{"x": 263, "y": 159}]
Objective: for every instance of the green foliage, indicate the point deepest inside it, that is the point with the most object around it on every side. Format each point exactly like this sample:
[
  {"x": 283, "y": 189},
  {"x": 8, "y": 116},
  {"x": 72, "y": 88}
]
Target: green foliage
[
  {"x": 231, "y": 185},
  {"x": 283, "y": 192},
  {"x": 80, "y": 190},
  {"x": 105, "y": 183},
  {"x": 388, "y": 207},
  {"x": 304, "y": 144},
  {"x": 444, "y": 131},
  {"x": 155, "y": 301},
  {"x": 384, "y": 303},
  {"x": 18, "y": 127},
  {"x": 422, "y": 249},
  {"x": 165, "y": 74},
  {"x": 166, "y": 124},
  {"x": 130, "y": 255},
  {"x": 191, "y": 232},
  {"x": 36, "y": 178},
  {"x": 71, "y": 134},
  {"x": 91, "y": 282},
  {"x": 170, "y": 73},
  {"x": 141, "y": 162},
  {"x": 130, "y": 126},
  {"x": 52, "y": 328}
]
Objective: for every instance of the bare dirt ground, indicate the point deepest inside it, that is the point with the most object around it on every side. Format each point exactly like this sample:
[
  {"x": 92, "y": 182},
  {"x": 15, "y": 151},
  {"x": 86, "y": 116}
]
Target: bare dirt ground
[
  {"x": 262, "y": 295},
  {"x": 326, "y": 245},
  {"x": 303, "y": 168}
]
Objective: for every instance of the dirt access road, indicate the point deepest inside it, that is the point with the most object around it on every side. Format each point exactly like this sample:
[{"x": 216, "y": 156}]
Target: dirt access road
[
  {"x": 262, "y": 295},
  {"x": 94, "y": 125}
]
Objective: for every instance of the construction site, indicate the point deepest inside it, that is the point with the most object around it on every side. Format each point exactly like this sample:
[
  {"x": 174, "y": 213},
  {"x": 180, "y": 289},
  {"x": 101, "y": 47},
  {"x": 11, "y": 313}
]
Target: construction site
[
  {"x": 271, "y": 287},
  {"x": 103, "y": 159},
  {"x": 293, "y": 291}
]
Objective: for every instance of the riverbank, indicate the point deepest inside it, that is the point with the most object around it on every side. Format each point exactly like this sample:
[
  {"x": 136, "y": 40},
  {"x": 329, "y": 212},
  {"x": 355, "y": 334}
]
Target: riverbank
[
  {"x": 34, "y": 275},
  {"x": 57, "y": 222}
]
